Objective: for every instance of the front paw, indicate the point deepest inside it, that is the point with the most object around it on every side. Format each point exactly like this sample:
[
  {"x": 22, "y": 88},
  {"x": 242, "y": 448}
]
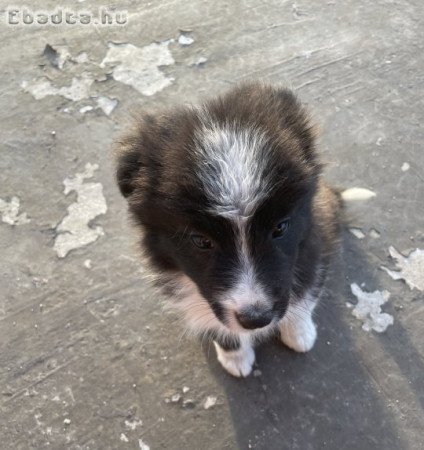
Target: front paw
[
  {"x": 238, "y": 362},
  {"x": 298, "y": 334}
]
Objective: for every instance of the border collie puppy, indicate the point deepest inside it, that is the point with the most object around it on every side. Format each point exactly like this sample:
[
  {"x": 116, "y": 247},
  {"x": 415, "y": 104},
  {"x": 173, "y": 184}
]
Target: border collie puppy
[{"x": 236, "y": 224}]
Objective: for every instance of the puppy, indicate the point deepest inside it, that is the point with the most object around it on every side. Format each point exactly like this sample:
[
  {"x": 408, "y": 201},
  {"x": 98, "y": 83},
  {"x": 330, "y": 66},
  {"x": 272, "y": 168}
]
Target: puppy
[{"x": 236, "y": 223}]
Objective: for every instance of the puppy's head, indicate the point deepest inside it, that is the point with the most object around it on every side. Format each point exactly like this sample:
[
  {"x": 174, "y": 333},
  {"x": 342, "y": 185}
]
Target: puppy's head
[{"x": 223, "y": 195}]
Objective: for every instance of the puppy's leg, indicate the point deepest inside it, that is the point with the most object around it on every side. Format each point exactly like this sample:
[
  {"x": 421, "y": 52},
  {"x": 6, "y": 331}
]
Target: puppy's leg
[
  {"x": 236, "y": 358},
  {"x": 297, "y": 329}
]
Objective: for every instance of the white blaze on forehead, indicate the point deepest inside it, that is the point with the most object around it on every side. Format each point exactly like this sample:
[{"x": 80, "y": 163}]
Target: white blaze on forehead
[{"x": 232, "y": 169}]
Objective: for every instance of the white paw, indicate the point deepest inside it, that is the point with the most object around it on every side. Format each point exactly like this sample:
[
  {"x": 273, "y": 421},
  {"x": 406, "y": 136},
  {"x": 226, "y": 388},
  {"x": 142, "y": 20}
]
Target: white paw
[
  {"x": 239, "y": 362},
  {"x": 298, "y": 334}
]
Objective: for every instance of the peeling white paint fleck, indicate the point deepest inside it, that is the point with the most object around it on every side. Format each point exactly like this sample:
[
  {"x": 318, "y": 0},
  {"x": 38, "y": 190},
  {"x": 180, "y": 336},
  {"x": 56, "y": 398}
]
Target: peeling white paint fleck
[
  {"x": 62, "y": 55},
  {"x": 175, "y": 398},
  {"x": 405, "y": 167},
  {"x": 142, "y": 445},
  {"x": 81, "y": 58},
  {"x": 74, "y": 230},
  {"x": 200, "y": 61},
  {"x": 411, "y": 268},
  {"x": 357, "y": 194},
  {"x": 78, "y": 90},
  {"x": 374, "y": 233},
  {"x": 10, "y": 212},
  {"x": 209, "y": 402},
  {"x": 123, "y": 438},
  {"x": 106, "y": 104},
  {"x": 185, "y": 40},
  {"x": 133, "y": 424},
  {"x": 357, "y": 232},
  {"x": 85, "y": 109},
  {"x": 368, "y": 309},
  {"x": 59, "y": 55},
  {"x": 139, "y": 67}
]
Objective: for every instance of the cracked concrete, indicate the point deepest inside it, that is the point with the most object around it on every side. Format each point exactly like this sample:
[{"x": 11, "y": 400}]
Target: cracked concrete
[{"x": 88, "y": 360}]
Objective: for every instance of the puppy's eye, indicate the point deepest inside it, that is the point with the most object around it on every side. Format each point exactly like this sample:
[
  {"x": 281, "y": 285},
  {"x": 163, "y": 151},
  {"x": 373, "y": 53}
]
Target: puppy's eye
[
  {"x": 201, "y": 241},
  {"x": 280, "y": 230}
]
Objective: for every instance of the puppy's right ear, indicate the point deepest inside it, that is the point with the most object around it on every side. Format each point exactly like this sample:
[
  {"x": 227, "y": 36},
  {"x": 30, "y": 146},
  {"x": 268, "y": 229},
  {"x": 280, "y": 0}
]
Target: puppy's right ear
[
  {"x": 134, "y": 153},
  {"x": 129, "y": 162}
]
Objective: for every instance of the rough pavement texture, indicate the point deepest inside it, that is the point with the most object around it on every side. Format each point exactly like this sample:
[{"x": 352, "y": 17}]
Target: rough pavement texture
[{"x": 88, "y": 360}]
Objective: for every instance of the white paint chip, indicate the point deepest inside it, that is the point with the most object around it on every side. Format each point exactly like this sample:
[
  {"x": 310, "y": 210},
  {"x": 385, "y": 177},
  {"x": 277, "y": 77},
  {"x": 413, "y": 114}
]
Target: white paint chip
[
  {"x": 357, "y": 194},
  {"x": 81, "y": 58},
  {"x": 209, "y": 402},
  {"x": 368, "y": 309},
  {"x": 185, "y": 389},
  {"x": 200, "y": 61},
  {"x": 185, "y": 40},
  {"x": 106, "y": 104},
  {"x": 142, "y": 445},
  {"x": 62, "y": 55},
  {"x": 374, "y": 233},
  {"x": 357, "y": 232},
  {"x": 175, "y": 398},
  {"x": 411, "y": 268},
  {"x": 87, "y": 264},
  {"x": 123, "y": 438},
  {"x": 133, "y": 424},
  {"x": 139, "y": 67},
  {"x": 405, "y": 167},
  {"x": 74, "y": 230},
  {"x": 85, "y": 109},
  {"x": 10, "y": 212},
  {"x": 78, "y": 90}
]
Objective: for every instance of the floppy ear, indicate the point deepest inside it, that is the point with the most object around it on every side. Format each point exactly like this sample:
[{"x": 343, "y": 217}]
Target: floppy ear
[
  {"x": 134, "y": 152},
  {"x": 128, "y": 165}
]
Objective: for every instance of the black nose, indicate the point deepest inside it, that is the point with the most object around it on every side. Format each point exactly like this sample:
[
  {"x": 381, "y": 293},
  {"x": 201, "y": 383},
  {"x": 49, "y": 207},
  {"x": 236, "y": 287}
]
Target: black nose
[{"x": 252, "y": 318}]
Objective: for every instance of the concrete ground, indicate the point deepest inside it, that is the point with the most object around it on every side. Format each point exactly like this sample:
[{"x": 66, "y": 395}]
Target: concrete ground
[{"x": 88, "y": 360}]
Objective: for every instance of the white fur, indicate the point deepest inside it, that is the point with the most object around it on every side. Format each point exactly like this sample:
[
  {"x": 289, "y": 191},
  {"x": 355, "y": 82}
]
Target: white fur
[
  {"x": 297, "y": 329},
  {"x": 195, "y": 310},
  {"x": 231, "y": 169},
  {"x": 247, "y": 292},
  {"x": 239, "y": 362},
  {"x": 232, "y": 173},
  {"x": 198, "y": 316}
]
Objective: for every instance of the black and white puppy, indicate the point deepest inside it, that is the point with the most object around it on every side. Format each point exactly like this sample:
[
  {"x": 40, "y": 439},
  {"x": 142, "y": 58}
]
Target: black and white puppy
[{"x": 235, "y": 221}]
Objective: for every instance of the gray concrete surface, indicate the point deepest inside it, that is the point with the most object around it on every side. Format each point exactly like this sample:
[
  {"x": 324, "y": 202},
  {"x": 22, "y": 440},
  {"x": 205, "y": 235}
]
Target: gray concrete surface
[{"x": 88, "y": 360}]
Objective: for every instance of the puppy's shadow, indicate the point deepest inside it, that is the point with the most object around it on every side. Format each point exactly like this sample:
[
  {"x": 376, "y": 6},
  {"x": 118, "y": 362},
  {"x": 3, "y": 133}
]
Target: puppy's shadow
[{"x": 323, "y": 399}]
